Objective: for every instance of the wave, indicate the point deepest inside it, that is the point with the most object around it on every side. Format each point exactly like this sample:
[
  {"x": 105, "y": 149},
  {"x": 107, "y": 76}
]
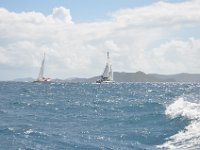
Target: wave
[{"x": 189, "y": 138}]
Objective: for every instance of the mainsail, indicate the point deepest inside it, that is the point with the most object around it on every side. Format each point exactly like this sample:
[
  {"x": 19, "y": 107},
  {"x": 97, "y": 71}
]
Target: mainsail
[
  {"x": 107, "y": 75},
  {"x": 41, "y": 73},
  {"x": 41, "y": 77},
  {"x": 108, "y": 69},
  {"x": 110, "y": 73}
]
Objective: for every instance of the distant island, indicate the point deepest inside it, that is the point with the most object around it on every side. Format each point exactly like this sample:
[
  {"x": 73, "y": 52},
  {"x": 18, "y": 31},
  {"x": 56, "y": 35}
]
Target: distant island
[{"x": 132, "y": 77}]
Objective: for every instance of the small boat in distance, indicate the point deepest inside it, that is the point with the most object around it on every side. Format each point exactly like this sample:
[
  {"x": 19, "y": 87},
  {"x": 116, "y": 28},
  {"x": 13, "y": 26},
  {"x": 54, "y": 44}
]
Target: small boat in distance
[
  {"x": 107, "y": 76},
  {"x": 41, "y": 77}
]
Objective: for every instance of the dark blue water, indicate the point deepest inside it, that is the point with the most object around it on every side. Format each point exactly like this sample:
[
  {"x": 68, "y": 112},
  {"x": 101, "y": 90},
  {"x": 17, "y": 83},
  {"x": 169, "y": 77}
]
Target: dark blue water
[{"x": 75, "y": 116}]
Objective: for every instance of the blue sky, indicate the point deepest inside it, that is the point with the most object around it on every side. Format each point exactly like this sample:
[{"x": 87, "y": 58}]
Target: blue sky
[
  {"x": 141, "y": 35},
  {"x": 81, "y": 10}
]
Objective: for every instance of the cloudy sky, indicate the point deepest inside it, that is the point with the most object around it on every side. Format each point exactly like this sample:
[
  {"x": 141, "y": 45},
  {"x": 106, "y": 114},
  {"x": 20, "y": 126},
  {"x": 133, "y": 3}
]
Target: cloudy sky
[{"x": 147, "y": 35}]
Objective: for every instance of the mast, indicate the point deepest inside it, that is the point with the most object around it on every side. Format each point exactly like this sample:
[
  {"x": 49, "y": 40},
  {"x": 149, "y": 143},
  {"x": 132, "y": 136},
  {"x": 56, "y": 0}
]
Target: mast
[{"x": 108, "y": 57}]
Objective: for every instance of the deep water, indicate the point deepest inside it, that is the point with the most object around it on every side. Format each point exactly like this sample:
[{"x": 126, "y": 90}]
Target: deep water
[{"x": 120, "y": 116}]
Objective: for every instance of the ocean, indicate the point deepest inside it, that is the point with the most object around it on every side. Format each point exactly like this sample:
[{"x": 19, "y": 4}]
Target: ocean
[{"x": 85, "y": 116}]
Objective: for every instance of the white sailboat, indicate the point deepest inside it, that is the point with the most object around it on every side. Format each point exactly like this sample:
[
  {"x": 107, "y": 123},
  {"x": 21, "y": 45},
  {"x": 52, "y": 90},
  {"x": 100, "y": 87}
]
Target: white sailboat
[
  {"x": 41, "y": 77},
  {"x": 107, "y": 76}
]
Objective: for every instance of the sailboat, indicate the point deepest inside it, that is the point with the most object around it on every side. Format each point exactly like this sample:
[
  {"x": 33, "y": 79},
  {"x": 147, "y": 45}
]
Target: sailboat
[
  {"x": 41, "y": 77},
  {"x": 107, "y": 76}
]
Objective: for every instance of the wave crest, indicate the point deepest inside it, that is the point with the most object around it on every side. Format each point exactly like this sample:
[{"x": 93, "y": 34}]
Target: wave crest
[
  {"x": 189, "y": 138},
  {"x": 183, "y": 108}
]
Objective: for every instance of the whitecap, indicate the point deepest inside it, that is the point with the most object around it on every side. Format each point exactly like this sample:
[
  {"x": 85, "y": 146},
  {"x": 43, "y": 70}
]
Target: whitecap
[
  {"x": 28, "y": 131},
  {"x": 183, "y": 108},
  {"x": 189, "y": 138},
  {"x": 10, "y": 129},
  {"x": 48, "y": 103}
]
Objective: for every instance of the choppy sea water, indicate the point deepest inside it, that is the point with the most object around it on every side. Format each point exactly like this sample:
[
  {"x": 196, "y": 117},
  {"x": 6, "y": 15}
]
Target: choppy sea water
[{"x": 76, "y": 116}]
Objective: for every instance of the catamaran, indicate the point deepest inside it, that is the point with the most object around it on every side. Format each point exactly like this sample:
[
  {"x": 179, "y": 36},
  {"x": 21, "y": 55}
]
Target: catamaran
[
  {"x": 107, "y": 76},
  {"x": 41, "y": 77}
]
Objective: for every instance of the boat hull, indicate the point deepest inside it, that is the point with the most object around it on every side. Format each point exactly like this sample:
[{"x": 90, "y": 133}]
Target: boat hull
[
  {"x": 42, "y": 81},
  {"x": 105, "y": 81}
]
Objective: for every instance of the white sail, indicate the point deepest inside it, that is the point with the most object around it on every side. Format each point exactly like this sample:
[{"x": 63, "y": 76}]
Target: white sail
[
  {"x": 106, "y": 71},
  {"x": 110, "y": 77},
  {"x": 107, "y": 75},
  {"x": 41, "y": 73},
  {"x": 107, "y": 68}
]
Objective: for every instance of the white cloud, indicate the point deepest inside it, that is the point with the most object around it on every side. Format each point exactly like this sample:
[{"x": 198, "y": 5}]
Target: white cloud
[
  {"x": 161, "y": 13},
  {"x": 62, "y": 14},
  {"x": 177, "y": 56},
  {"x": 80, "y": 49}
]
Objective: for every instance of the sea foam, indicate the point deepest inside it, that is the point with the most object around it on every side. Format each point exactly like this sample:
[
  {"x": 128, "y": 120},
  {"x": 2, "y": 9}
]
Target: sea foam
[{"x": 189, "y": 138}]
